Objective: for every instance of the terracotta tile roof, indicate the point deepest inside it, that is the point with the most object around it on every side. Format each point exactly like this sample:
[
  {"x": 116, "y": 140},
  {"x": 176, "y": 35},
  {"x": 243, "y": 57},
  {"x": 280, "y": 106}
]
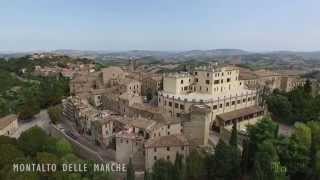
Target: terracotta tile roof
[
  {"x": 5, "y": 121},
  {"x": 142, "y": 123},
  {"x": 164, "y": 141},
  {"x": 246, "y": 74},
  {"x": 239, "y": 113},
  {"x": 265, "y": 73}
]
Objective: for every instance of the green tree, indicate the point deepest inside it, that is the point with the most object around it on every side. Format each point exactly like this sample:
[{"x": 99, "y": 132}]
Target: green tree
[
  {"x": 8, "y": 140},
  {"x": 307, "y": 87},
  {"x": 70, "y": 158},
  {"x": 29, "y": 109},
  {"x": 162, "y": 170},
  {"x": 226, "y": 162},
  {"x": 280, "y": 107},
  {"x": 55, "y": 113},
  {"x": 315, "y": 149},
  {"x": 234, "y": 136},
  {"x": 179, "y": 168},
  {"x": 147, "y": 175},
  {"x": 265, "y": 159},
  {"x": 32, "y": 141},
  {"x": 195, "y": 166},
  {"x": 63, "y": 147},
  {"x": 7, "y": 173},
  {"x": 9, "y": 153},
  {"x": 263, "y": 130},
  {"x": 295, "y": 154},
  {"x": 130, "y": 171}
]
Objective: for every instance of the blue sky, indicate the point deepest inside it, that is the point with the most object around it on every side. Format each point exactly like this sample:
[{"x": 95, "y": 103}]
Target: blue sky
[{"x": 256, "y": 25}]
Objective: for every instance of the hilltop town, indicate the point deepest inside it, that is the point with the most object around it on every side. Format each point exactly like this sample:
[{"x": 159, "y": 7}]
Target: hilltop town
[
  {"x": 140, "y": 114},
  {"x": 146, "y": 116}
]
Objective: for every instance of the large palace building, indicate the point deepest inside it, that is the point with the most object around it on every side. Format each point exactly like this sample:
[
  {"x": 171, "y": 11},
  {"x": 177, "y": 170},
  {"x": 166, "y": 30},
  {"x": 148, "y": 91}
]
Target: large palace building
[{"x": 217, "y": 87}]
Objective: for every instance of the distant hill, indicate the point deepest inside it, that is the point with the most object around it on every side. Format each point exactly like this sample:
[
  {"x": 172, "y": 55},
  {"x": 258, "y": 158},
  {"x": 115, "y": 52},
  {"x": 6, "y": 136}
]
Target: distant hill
[
  {"x": 213, "y": 52},
  {"x": 155, "y": 54},
  {"x": 306, "y": 55}
]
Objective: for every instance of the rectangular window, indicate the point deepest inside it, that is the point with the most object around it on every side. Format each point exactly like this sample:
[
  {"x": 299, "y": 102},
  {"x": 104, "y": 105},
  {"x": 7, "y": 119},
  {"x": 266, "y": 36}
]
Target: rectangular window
[
  {"x": 196, "y": 79},
  {"x": 170, "y": 104},
  {"x": 244, "y": 100},
  {"x": 214, "y": 107},
  {"x": 239, "y": 102},
  {"x": 228, "y": 79},
  {"x": 181, "y": 106},
  {"x": 216, "y": 82},
  {"x": 168, "y": 148},
  {"x": 220, "y": 105},
  {"x": 233, "y": 102},
  {"x": 207, "y": 81},
  {"x": 181, "y": 81},
  {"x": 208, "y": 74},
  {"x": 186, "y": 88},
  {"x": 178, "y": 114},
  {"x": 227, "y": 104},
  {"x": 176, "y": 105},
  {"x": 155, "y": 158},
  {"x": 195, "y": 73}
]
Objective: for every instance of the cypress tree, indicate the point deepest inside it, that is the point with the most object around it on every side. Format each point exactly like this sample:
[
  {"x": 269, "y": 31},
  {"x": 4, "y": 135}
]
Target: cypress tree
[
  {"x": 130, "y": 171},
  {"x": 234, "y": 135}
]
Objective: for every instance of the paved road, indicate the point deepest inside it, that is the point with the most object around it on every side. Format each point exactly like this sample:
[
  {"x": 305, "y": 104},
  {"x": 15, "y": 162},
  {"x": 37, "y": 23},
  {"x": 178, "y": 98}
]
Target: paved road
[
  {"x": 107, "y": 154},
  {"x": 42, "y": 120}
]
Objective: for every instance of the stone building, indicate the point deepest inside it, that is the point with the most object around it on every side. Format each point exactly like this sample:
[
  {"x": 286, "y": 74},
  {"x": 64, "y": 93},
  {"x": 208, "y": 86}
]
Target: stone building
[
  {"x": 130, "y": 86},
  {"x": 8, "y": 125},
  {"x": 102, "y": 132},
  {"x": 112, "y": 75},
  {"x": 84, "y": 82},
  {"x": 217, "y": 87},
  {"x": 196, "y": 124},
  {"x": 242, "y": 117},
  {"x": 151, "y": 84},
  {"x": 127, "y": 145},
  {"x": 272, "y": 80},
  {"x": 165, "y": 147},
  {"x": 288, "y": 83},
  {"x": 71, "y": 106}
]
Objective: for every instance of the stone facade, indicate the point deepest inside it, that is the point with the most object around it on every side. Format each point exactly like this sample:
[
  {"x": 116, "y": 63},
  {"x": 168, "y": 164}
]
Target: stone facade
[
  {"x": 196, "y": 125},
  {"x": 8, "y": 125},
  {"x": 165, "y": 147},
  {"x": 272, "y": 80},
  {"x": 218, "y": 88},
  {"x": 151, "y": 84}
]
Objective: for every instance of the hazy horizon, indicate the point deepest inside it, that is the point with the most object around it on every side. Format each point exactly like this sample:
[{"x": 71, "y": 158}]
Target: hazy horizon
[{"x": 181, "y": 25}]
